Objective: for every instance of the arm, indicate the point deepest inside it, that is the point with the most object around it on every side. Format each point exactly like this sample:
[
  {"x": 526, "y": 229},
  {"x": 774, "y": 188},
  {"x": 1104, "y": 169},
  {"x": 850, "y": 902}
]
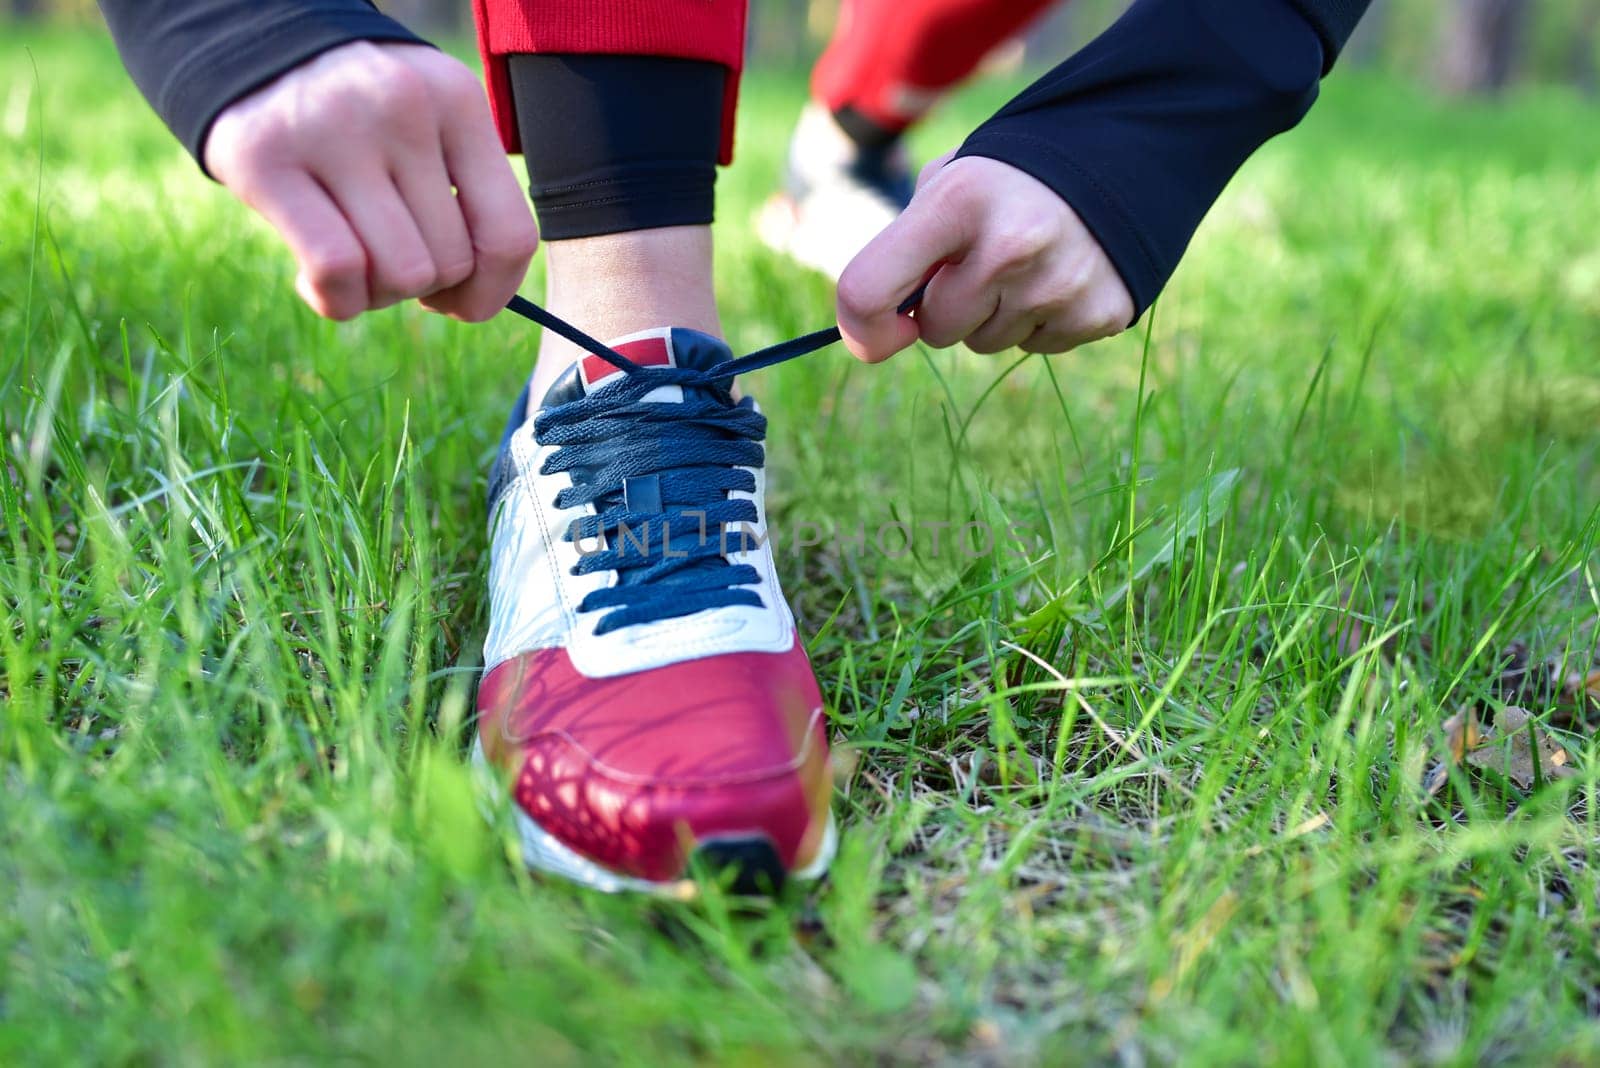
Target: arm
[
  {"x": 1061, "y": 218},
  {"x": 192, "y": 58},
  {"x": 372, "y": 154}
]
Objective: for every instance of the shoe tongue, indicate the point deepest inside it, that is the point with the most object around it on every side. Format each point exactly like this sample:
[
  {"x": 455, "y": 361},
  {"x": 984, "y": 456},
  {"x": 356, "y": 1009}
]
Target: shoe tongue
[{"x": 663, "y": 347}]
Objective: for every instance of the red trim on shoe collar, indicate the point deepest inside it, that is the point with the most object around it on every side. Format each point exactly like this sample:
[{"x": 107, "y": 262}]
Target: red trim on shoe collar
[{"x": 651, "y": 348}]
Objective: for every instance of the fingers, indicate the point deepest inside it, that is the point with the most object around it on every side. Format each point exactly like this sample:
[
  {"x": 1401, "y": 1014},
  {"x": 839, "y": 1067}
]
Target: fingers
[
  {"x": 1048, "y": 339},
  {"x": 499, "y": 224},
  {"x": 1012, "y": 264},
  {"x": 1070, "y": 316},
  {"x": 356, "y": 157},
  {"x": 424, "y": 185},
  {"x": 960, "y": 299},
  {"x": 1004, "y": 331},
  {"x": 932, "y": 230},
  {"x": 398, "y": 262},
  {"x": 332, "y": 275}
]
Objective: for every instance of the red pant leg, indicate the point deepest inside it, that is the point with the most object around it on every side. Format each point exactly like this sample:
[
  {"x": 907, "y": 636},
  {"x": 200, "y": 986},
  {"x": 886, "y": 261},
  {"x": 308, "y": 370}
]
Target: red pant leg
[
  {"x": 709, "y": 30},
  {"x": 890, "y": 59}
]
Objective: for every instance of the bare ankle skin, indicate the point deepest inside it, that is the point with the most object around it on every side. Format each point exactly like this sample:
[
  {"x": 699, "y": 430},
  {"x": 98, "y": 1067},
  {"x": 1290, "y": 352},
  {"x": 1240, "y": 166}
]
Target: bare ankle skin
[{"x": 618, "y": 284}]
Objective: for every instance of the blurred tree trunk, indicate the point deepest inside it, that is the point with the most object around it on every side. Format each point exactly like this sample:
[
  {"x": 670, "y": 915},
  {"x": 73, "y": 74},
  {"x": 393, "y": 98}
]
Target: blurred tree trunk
[
  {"x": 1482, "y": 42},
  {"x": 428, "y": 16},
  {"x": 778, "y": 31},
  {"x": 1365, "y": 47}
]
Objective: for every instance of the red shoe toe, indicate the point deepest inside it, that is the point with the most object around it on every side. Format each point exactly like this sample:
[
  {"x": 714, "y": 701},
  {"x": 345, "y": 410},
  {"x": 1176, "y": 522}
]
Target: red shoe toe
[{"x": 635, "y": 771}]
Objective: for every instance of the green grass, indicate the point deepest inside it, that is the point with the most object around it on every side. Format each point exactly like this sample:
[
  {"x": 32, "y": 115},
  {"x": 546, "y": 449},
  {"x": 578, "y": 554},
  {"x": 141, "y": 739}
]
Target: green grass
[{"x": 1146, "y": 787}]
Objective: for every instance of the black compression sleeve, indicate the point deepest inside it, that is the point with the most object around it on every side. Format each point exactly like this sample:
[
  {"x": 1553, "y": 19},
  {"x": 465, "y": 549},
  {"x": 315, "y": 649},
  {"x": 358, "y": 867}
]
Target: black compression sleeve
[
  {"x": 1142, "y": 129},
  {"x": 617, "y": 143},
  {"x": 192, "y": 58}
]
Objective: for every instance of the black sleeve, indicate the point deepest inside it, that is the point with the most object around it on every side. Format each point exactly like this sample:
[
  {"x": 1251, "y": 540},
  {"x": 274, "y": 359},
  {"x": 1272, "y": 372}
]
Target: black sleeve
[
  {"x": 1334, "y": 21},
  {"x": 192, "y": 58},
  {"x": 1141, "y": 130}
]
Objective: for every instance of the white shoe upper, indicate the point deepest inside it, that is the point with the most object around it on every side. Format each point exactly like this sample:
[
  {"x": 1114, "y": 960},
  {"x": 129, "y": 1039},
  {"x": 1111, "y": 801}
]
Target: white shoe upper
[{"x": 534, "y": 591}]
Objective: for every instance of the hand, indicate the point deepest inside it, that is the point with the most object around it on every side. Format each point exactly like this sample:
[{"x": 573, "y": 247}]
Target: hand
[
  {"x": 352, "y": 157},
  {"x": 1011, "y": 265}
]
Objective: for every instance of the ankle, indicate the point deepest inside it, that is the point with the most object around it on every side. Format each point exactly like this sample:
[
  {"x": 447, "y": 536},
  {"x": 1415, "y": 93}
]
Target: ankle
[
  {"x": 617, "y": 284},
  {"x": 864, "y": 133},
  {"x": 825, "y": 142}
]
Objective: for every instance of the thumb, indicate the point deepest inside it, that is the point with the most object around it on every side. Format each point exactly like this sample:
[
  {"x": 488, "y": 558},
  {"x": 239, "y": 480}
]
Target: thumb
[{"x": 931, "y": 231}]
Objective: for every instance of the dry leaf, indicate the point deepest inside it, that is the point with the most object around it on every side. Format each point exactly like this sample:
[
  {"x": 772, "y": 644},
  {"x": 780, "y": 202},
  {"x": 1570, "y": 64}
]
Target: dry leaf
[
  {"x": 1462, "y": 735},
  {"x": 1512, "y": 753},
  {"x": 1509, "y": 751},
  {"x": 1462, "y": 732},
  {"x": 845, "y": 760}
]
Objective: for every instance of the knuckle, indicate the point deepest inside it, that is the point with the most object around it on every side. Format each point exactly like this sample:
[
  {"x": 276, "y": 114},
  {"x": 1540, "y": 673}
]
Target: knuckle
[
  {"x": 247, "y": 182},
  {"x": 1104, "y": 323},
  {"x": 512, "y": 246},
  {"x": 1107, "y": 324},
  {"x": 406, "y": 99},
  {"x": 241, "y": 162},
  {"x": 1106, "y": 315},
  {"x": 333, "y": 114},
  {"x": 457, "y": 87},
  {"x": 224, "y": 145},
  {"x": 454, "y": 272},
  {"x": 1121, "y": 312},
  {"x": 1022, "y": 245},
  {"x": 1079, "y": 276},
  {"x": 335, "y": 265},
  {"x": 408, "y": 278},
  {"x": 249, "y": 147}
]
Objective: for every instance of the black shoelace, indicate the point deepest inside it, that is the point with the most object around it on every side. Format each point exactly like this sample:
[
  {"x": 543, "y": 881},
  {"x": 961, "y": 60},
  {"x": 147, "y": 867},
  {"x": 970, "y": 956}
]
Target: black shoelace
[
  {"x": 782, "y": 352},
  {"x": 659, "y": 478}
]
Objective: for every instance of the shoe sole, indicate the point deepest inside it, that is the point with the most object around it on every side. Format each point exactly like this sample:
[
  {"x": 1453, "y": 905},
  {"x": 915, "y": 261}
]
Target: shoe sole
[{"x": 748, "y": 862}]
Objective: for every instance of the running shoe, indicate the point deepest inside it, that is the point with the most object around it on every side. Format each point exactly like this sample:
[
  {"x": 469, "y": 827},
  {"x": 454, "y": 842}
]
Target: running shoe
[
  {"x": 646, "y": 697},
  {"x": 838, "y": 195}
]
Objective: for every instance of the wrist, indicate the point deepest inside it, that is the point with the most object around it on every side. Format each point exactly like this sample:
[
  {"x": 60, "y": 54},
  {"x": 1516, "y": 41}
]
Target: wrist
[{"x": 1141, "y": 130}]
